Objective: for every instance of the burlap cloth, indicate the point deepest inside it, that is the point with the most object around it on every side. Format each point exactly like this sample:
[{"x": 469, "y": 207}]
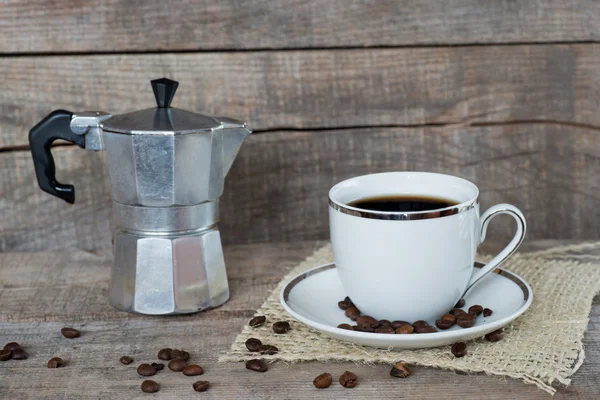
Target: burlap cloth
[{"x": 543, "y": 346}]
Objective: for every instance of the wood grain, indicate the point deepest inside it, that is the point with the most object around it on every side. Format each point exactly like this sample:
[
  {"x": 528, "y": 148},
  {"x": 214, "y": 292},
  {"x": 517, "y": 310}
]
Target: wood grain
[
  {"x": 277, "y": 188},
  {"x": 57, "y": 285},
  {"x": 317, "y": 89},
  {"x": 115, "y": 25}
]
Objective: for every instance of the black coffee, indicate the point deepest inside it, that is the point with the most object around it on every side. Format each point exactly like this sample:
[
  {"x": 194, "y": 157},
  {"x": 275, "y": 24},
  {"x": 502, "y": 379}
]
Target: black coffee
[{"x": 403, "y": 203}]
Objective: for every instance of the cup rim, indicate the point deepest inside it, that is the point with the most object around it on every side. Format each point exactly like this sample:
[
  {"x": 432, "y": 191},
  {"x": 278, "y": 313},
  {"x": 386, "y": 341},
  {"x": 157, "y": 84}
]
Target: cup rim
[{"x": 405, "y": 215}]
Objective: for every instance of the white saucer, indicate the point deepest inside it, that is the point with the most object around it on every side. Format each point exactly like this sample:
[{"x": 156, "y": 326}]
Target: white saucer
[{"x": 312, "y": 298}]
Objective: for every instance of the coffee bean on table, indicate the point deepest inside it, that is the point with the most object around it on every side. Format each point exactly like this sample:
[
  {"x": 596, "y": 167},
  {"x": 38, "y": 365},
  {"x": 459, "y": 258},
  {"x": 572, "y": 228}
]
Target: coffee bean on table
[
  {"x": 366, "y": 321},
  {"x": 476, "y": 309},
  {"x": 398, "y": 324},
  {"x": 487, "y": 312},
  {"x": 164, "y": 354},
  {"x": 175, "y": 354},
  {"x": 281, "y": 327},
  {"x": 126, "y": 360},
  {"x": 465, "y": 320},
  {"x": 146, "y": 370},
  {"x": 193, "y": 370},
  {"x": 405, "y": 329},
  {"x": 5, "y": 355},
  {"x": 177, "y": 365},
  {"x": 323, "y": 381},
  {"x": 385, "y": 322},
  {"x": 459, "y": 349},
  {"x": 158, "y": 366},
  {"x": 55, "y": 362},
  {"x": 19, "y": 354},
  {"x": 201, "y": 386},
  {"x": 460, "y": 304},
  {"x": 253, "y": 344},
  {"x": 345, "y": 326},
  {"x": 348, "y": 380},
  {"x": 385, "y": 329},
  {"x": 268, "y": 349},
  {"x": 400, "y": 370},
  {"x": 257, "y": 321},
  {"x": 149, "y": 386},
  {"x": 352, "y": 313},
  {"x": 495, "y": 336},
  {"x": 12, "y": 346},
  {"x": 70, "y": 333},
  {"x": 256, "y": 365},
  {"x": 444, "y": 324}
]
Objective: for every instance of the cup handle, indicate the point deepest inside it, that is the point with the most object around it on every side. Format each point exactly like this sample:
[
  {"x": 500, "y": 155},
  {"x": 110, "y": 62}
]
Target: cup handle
[{"x": 514, "y": 244}]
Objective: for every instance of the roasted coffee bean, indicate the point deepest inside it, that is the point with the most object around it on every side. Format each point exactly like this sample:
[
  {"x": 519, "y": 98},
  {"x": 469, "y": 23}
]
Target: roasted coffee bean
[
  {"x": 476, "y": 309},
  {"x": 420, "y": 324},
  {"x": 348, "y": 380},
  {"x": 56, "y": 362},
  {"x": 175, "y": 354},
  {"x": 465, "y": 320},
  {"x": 343, "y": 305},
  {"x": 460, "y": 304},
  {"x": 345, "y": 326},
  {"x": 487, "y": 312},
  {"x": 126, "y": 360},
  {"x": 323, "y": 381},
  {"x": 257, "y": 321},
  {"x": 352, "y": 313},
  {"x": 348, "y": 301},
  {"x": 256, "y": 365},
  {"x": 405, "y": 329},
  {"x": 268, "y": 349},
  {"x": 193, "y": 370},
  {"x": 364, "y": 329},
  {"x": 426, "y": 329},
  {"x": 385, "y": 329},
  {"x": 444, "y": 324},
  {"x": 366, "y": 321},
  {"x": 495, "y": 336},
  {"x": 459, "y": 349},
  {"x": 5, "y": 355},
  {"x": 385, "y": 322},
  {"x": 70, "y": 333},
  {"x": 281, "y": 327},
  {"x": 146, "y": 370},
  {"x": 158, "y": 366},
  {"x": 177, "y": 365},
  {"x": 149, "y": 386},
  {"x": 164, "y": 354},
  {"x": 398, "y": 324},
  {"x": 19, "y": 354},
  {"x": 186, "y": 355},
  {"x": 457, "y": 311},
  {"x": 12, "y": 346},
  {"x": 449, "y": 317},
  {"x": 201, "y": 386},
  {"x": 253, "y": 344},
  {"x": 400, "y": 370}
]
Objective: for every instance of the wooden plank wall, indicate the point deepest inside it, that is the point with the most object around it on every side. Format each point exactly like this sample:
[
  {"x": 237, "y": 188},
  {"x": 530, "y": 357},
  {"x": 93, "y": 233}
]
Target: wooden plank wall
[{"x": 503, "y": 93}]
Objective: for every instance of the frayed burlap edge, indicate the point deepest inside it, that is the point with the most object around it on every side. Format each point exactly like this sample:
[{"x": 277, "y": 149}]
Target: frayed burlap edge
[{"x": 543, "y": 347}]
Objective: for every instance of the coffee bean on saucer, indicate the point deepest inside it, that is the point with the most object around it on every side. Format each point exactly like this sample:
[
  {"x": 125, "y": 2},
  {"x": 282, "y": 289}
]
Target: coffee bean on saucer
[
  {"x": 164, "y": 354},
  {"x": 70, "y": 333},
  {"x": 419, "y": 323},
  {"x": 158, "y": 366},
  {"x": 126, "y": 360},
  {"x": 12, "y": 346},
  {"x": 55, "y": 362},
  {"x": 385, "y": 329},
  {"x": 348, "y": 301},
  {"x": 495, "y": 336},
  {"x": 19, "y": 354},
  {"x": 385, "y": 322},
  {"x": 460, "y": 304},
  {"x": 364, "y": 329},
  {"x": 257, "y": 321},
  {"x": 201, "y": 386},
  {"x": 444, "y": 324},
  {"x": 487, "y": 312},
  {"x": 457, "y": 311},
  {"x": 400, "y": 370},
  {"x": 343, "y": 305},
  {"x": 281, "y": 327},
  {"x": 149, "y": 386},
  {"x": 268, "y": 349},
  {"x": 253, "y": 344},
  {"x": 398, "y": 324},
  {"x": 345, "y": 326},
  {"x": 449, "y": 317},
  {"x": 5, "y": 355},
  {"x": 257, "y": 365},
  {"x": 323, "y": 381},
  {"x": 348, "y": 380},
  {"x": 177, "y": 365},
  {"x": 476, "y": 309},
  {"x": 352, "y": 313},
  {"x": 366, "y": 321},
  {"x": 426, "y": 329},
  {"x": 146, "y": 370},
  {"x": 405, "y": 329},
  {"x": 465, "y": 320},
  {"x": 193, "y": 370},
  {"x": 459, "y": 349}
]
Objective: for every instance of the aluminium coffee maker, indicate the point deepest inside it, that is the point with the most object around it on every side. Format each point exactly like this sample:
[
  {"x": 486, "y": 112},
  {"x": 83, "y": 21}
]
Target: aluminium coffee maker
[{"x": 167, "y": 169}]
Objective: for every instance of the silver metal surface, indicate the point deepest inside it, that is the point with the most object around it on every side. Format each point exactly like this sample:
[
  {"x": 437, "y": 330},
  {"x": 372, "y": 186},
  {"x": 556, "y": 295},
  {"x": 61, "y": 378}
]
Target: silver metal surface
[
  {"x": 404, "y": 216},
  {"x": 166, "y": 219},
  {"x": 88, "y": 123}
]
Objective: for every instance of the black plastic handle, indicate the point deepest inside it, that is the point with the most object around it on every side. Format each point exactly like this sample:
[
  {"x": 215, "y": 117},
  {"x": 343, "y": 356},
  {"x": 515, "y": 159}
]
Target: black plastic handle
[{"x": 57, "y": 125}]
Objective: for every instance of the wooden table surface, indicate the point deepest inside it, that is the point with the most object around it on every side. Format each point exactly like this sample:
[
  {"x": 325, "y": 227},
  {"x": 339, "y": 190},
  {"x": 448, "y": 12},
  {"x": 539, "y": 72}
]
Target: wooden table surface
[{"x": 43, "y": 292}]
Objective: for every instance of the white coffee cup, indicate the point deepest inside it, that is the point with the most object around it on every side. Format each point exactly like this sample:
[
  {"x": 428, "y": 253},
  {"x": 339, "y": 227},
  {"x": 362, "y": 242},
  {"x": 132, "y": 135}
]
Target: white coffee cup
[{"x": 411, "y": 265}]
